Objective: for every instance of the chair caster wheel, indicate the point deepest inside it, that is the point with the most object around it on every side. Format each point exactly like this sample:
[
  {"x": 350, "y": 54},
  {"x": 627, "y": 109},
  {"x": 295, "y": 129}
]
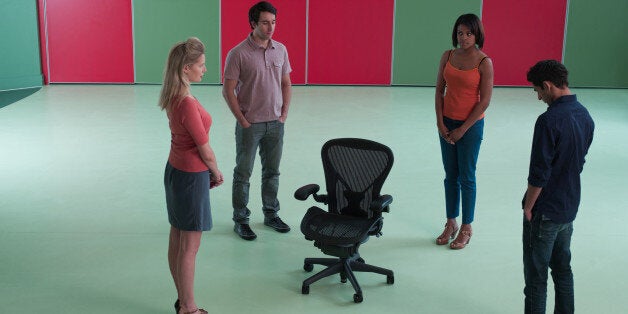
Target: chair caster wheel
[
  {"x": 308, "y": 267},
  {"x": 343, "y": 279},
  {"x": 390, "y": 280},
  {"x": 305, "y": 289},
  {"x": 357, "y": 298}
]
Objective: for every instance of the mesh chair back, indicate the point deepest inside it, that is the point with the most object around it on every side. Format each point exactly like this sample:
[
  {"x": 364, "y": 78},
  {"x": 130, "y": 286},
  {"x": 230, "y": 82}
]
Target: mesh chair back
[{"x": 355, "y": 171}]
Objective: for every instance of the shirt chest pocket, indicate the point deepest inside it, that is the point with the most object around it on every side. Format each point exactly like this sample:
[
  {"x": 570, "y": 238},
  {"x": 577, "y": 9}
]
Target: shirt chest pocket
[{"x": 276, "y": 66}]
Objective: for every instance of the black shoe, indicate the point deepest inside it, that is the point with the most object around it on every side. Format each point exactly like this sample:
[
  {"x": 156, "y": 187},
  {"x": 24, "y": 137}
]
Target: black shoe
[
  {"x": 277, "y": 224},
  {"x": 244, "y": 231}
]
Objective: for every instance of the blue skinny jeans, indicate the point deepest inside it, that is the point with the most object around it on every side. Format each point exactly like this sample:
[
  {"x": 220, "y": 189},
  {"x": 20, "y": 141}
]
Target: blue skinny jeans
[{"x": 459, "y": 161}]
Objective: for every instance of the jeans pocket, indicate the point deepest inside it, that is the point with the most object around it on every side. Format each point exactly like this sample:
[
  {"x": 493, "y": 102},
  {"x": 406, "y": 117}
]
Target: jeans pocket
[
  {"x": 547, "y": 228},
  {"x": 536, "y": 226}
]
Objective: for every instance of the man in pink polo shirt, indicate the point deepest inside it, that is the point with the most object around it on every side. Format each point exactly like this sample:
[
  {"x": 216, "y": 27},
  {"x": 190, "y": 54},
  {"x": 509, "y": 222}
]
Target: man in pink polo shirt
[{"x": 257, "y": 88}]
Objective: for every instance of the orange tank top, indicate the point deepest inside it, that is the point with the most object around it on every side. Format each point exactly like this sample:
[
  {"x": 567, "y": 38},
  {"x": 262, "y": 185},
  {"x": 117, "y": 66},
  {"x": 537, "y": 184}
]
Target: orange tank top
[{"x": 462, "y": 92}]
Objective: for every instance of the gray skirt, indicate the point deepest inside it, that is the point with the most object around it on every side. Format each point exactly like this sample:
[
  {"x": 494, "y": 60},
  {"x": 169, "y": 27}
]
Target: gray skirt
[{"x": 187, "y": 199}]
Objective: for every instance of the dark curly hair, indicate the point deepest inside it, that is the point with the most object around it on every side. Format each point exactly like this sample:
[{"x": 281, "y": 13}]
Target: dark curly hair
[{"x": 548, "y": 70}]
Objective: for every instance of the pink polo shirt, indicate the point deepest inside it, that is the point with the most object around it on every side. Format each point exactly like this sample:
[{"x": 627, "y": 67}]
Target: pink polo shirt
[
  {"x": 189, "y": 128},
  {"x": 258, "y": 71}
]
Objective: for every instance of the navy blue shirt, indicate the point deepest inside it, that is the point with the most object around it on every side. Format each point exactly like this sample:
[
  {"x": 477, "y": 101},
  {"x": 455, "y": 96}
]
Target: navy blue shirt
[{"x": 562, "y": 137}]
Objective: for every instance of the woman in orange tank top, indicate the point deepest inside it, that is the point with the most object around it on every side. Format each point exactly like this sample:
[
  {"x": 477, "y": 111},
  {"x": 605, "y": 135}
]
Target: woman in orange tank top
[{"x": 463, "y": 91}]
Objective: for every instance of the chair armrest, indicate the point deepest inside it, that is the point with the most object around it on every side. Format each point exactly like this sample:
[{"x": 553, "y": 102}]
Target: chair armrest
[
  {"x": 305, "y": 191},
  {"x": 381, "y": 203}
]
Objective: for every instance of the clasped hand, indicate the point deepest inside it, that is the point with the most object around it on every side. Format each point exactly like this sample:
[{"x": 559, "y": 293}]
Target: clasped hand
[
  {"x": 216, "y": 179},
  {"x": 453, "y": 136}
]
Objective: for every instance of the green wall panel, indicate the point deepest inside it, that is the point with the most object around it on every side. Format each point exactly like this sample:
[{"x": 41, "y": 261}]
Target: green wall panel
[
  {"x": 422, "y": 32},
  {"x": 159, "y": 24},
  {"x": 596, "y": 43},
  {"x": 20, "y": 65}
]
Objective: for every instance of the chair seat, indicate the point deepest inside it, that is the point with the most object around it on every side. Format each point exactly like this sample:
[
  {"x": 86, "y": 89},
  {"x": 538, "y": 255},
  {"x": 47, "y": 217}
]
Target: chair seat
[{"x": 334, "y": 229}]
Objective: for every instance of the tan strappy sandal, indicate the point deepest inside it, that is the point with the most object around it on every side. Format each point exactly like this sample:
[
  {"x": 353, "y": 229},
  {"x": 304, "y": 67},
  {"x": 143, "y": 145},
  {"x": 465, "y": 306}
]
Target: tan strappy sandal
[
  {"x": 463, "y": 238},
  {"x": 448, "y": 234},
  {"x": 197, "y": 311}
]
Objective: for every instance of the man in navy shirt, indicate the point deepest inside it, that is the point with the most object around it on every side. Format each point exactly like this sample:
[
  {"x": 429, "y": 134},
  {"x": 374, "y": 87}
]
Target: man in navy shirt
[{"x": 562, "y": 137}]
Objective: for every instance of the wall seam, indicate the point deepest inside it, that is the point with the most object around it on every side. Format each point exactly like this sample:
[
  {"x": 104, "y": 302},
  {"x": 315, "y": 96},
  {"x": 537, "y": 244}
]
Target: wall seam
[
  {"x": 46, "y": 38},
  {"x": 133, "y": 39},
  {"x": 220, "y": 69},
  {"x": 565, "y": 32},
  {"x": 307, "y": 40},
  {"x": 392, "y": 44}
]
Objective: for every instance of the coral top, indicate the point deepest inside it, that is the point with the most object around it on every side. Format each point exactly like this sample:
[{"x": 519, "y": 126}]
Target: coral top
[
  {"x": 463, "y": 91},
  {"x": 189, "y": 127}
]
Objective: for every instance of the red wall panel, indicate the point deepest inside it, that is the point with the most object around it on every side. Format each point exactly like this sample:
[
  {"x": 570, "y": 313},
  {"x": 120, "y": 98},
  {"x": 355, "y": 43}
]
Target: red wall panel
[
  {"x": 520, "y": 33},
  {"x": 290, "y": 30},
  {"x": 350, "y": 42},
  {"x": 90, "y": 41}
]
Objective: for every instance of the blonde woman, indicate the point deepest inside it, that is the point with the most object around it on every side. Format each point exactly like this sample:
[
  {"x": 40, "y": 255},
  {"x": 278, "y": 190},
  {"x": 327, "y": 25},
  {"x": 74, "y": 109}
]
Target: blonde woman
[{"x": 191, "y": 168}]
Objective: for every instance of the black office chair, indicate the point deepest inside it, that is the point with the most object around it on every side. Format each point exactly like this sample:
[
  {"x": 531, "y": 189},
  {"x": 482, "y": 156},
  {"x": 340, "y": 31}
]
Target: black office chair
[{"x": 355, "y": 170}]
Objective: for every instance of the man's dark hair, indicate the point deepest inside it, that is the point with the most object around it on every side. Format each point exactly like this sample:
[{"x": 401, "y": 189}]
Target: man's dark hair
[
  {"x": 255, "y": 10},
  {"x": 473, "y": 22},
  {"x": 548, "y": 70}
]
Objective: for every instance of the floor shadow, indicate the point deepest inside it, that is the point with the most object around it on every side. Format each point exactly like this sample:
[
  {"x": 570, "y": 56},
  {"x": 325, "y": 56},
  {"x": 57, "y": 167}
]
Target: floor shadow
[{"x": 11, "y": 96}]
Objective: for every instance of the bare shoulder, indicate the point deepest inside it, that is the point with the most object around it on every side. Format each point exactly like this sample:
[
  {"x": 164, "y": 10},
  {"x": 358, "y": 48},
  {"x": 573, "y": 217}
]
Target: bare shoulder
[
  {"x": 482, "y": 55},
  {"x": 486, "y": 67},
  {"x": 445, "y": 56},
  {"x": 485, "y": 62}
]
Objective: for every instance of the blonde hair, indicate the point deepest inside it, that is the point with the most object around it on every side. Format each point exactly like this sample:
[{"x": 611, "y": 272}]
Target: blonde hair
[{"x": 175, "y": 83}]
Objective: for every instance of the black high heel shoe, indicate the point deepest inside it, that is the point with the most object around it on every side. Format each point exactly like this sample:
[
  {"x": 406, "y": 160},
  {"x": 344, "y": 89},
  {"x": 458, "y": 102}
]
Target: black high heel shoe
[{"x": 177, "y": 306}]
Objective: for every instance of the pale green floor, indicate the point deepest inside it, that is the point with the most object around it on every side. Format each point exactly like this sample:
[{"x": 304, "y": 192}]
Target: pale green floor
[{"x": 83, "y": 227}]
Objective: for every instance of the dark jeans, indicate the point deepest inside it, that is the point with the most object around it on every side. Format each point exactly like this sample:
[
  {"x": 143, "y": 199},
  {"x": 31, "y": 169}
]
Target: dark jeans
[
  {"x": 268, "y": 137},
  {"x": 459, "y": 161},
  {"x": 546, "y": 244}
]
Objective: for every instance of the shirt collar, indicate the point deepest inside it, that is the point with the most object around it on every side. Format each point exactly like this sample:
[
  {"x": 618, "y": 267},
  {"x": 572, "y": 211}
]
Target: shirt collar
[
  {"x": 564, "y": 99},
  {"x": 254, "y": 45}
]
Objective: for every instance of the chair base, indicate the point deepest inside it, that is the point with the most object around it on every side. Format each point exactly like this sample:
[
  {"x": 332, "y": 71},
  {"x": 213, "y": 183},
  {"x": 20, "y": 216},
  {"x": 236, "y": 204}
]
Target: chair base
[{"x": 345, "y": 267}]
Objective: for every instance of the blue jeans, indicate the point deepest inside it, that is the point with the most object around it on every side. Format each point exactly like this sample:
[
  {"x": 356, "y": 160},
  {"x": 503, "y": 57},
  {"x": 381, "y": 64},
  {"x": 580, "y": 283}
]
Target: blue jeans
[
  {"x": 268, "y": 136},
  {"x": 459, "y": 161},
  {"x": 546, "y": 244}
]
